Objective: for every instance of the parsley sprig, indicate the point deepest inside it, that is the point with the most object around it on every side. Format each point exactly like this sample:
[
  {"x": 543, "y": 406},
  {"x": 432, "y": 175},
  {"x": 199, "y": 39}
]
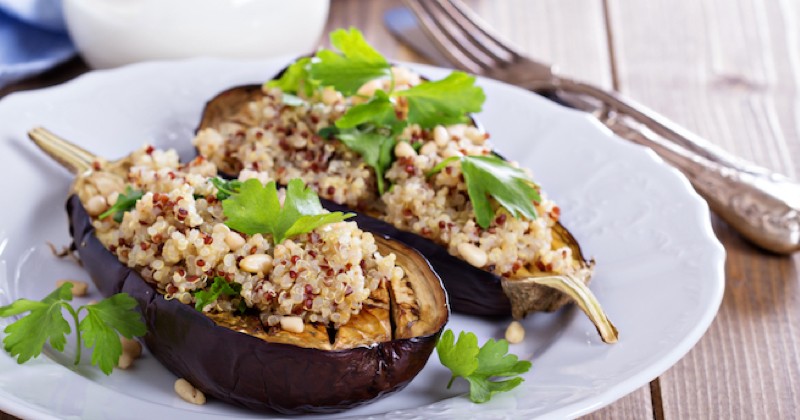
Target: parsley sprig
[
  {"x": 490, "y": 176},
  {"x": 479, "y": 364},
  {"x": 125, "y": 202},
  {"x": 220, "y": 287},
  {"x": 257, "y": 209},
  {"x": 371, "y": 128},
  {"x": 356, "y": 63},
  {"x": 100, "y": 328},
  {"x": 225, "y": 188}
]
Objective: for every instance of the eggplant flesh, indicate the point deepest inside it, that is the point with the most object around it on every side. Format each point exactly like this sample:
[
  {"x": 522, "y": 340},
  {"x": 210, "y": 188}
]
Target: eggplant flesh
[
  {"x": 471, "y": 290},
  {"x": 234, "y": 359}
]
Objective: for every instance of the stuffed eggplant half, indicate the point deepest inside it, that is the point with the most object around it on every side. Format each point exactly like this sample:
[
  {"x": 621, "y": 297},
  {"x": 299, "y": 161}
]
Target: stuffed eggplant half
[
  {"x": 310, "y": 314},
  {"x": 404, "y": 153}
]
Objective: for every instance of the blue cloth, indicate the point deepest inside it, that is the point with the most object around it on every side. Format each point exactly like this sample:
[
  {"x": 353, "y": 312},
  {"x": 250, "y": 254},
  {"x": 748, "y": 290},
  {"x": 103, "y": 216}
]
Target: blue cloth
[{"x": 33, "y": 38}]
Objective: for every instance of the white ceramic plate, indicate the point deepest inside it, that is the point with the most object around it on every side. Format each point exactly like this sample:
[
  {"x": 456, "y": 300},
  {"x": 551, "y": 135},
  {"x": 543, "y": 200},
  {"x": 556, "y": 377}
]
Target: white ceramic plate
[{"x": 659, "y": 267}]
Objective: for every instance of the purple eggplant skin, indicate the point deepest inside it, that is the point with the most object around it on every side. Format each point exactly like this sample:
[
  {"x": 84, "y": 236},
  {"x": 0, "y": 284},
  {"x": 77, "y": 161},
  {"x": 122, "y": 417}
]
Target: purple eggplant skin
[
  {"x": 244, "y": 370},
  {"x": 470, "y": 290}
]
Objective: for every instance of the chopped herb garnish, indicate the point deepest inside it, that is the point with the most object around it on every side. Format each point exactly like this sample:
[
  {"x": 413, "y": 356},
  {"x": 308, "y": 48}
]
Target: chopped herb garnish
[
  {"x": 376, "y": 147},
  {"x": 225, "y": 188},
  {"x": 371, "y": 128},
  {"x": 294, "y": 78},
  {"x": 220, "y": 287},
  {"x": 478, "y": 365},
  {"x": 125, "y": 202},
  {"x": 257, "y": 209},
  {"x": 104, "y": 322},
  {"x": 379, "y": 110},
  {"x": 445, "y": 102},
  {"x": 490, "y": 176},
  {"x": 356, "y": 63}
]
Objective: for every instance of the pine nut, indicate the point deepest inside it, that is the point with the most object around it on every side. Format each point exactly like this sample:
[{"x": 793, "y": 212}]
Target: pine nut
[
  {"x": 330, "y": 96},
  {"x": 105, "y": 183},
  {"x": 112, "y": 198},
  {"x": 369, "y": 88},
  {"x": 403, "y": 149},
  {"x": 440, "y": 136},
  {"x": 79, "y": 288},
  {"x": 515, "y": 333},
  {"x": 476, "y": 135},
  {"x": 472, "y": 254},
  {"x": 189, "y": 393},
  {"x": 450, "y": 152},
  {"x": 131, "y": 347},
  {"x": 125, "y": 361},
  {"x": 234, "y": 241},
  {"x": 256, "y": 263},
  {"x": 428, "y": 148},
  {"x": 96, "y": 205},
  {"x": 292, "y": 324}
]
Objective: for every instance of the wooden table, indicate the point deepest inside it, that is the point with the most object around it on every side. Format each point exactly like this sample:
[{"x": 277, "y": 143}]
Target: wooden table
[{"x": 728, "y": 70}]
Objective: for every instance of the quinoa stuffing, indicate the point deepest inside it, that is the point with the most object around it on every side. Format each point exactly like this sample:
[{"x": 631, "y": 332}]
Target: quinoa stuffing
[
  {"x": 174, "y": 233},
  {"x": 316, "y": 131}
]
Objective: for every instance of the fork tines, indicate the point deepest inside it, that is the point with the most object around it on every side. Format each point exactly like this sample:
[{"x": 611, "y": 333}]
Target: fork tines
[{"x": 462, "y": 36}]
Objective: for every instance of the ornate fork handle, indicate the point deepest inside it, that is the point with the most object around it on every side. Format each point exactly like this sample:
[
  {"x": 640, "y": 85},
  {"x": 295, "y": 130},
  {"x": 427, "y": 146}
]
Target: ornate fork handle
[{"x": 762, "y": 206}]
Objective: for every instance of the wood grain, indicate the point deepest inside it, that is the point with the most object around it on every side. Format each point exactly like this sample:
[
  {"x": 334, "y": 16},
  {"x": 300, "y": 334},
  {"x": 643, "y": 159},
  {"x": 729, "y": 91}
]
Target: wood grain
[{"x": 728, "y": 70}]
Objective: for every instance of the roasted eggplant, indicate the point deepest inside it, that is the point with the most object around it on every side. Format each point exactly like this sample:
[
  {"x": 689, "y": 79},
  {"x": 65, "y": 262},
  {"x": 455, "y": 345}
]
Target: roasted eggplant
[
  {"x": 236, "y": 359},
  {"x": 471, "y": 290}
]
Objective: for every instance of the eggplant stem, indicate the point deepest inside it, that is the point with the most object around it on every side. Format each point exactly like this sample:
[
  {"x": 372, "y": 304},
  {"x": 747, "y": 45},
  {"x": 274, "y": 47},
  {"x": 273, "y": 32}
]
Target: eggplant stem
[
  {"x": 76, "y": 159},
  {"x": 580, "y": 293}
]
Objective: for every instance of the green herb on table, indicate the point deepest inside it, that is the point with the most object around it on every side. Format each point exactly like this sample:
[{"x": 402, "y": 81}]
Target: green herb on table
[
  {"x": 257, "y": 209},
  {"x": 478, "y": 365},
  {"x": 220, "y": 287},
  {"x": 490, "y": 176},
  {"x": 125, "y": 202},
  {"x": 99, "y": 329}
]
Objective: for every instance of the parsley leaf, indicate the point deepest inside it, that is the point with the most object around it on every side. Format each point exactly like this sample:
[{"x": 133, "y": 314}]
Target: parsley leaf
[
  {"x": 125, "y": 202},
  {"x": 225, "y": 188},
  {"x": 478, "y": 365},
  {"x": 294, "y": 78},
  {"x": 356, "y": 64},
  {"x": 446, "y": 101},
  {"x": 256, "y": 209},
  {"x": 461, "y": 356},
  {"x": 104, "y": 321},
  {"x": 487, "y": 176},
  {"x": 376, "y": 147},
  {"x": 221, "y": 287},
  {"x": 379, "y": 110},
  {"x": 26, "y": 337}
]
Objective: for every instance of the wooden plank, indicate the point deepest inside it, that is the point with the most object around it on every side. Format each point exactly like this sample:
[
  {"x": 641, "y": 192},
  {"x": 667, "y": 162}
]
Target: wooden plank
[
  {"x": 636, "y": 405},
  {"x": 730, "y": 71},
  {"x": 568, "y": 32}
]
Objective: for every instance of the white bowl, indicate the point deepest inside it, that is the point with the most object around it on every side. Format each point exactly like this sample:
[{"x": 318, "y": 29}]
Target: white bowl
[{"x": 110, "y": 33}]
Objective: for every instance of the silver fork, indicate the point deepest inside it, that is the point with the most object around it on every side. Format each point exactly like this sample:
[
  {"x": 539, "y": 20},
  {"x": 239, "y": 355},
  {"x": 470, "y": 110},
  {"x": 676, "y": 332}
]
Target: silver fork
[{"x": 763, "y": 206}]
